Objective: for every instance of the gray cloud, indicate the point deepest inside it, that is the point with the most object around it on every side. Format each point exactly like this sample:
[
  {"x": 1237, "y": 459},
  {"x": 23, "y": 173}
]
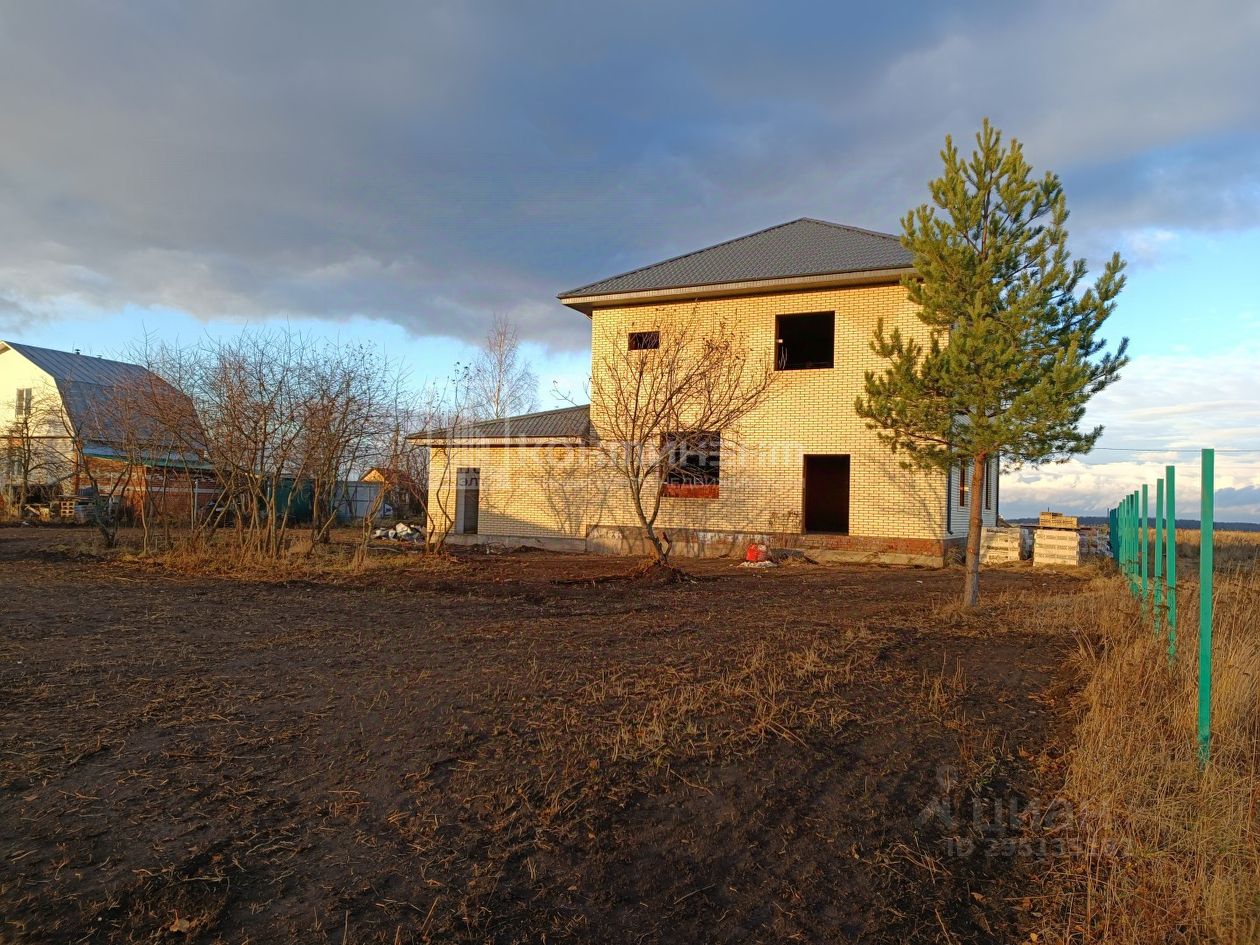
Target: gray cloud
[{"x": 432, "y": 163}]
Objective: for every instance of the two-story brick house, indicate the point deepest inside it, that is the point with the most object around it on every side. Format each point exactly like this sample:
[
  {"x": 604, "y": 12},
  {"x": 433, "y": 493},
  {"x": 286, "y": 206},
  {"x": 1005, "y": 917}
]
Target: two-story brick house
[{"x": 810, "y": 293}]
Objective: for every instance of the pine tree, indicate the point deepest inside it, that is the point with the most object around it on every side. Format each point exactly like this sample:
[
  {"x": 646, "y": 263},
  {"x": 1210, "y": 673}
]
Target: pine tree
[{"x": 1012, "y": 353}]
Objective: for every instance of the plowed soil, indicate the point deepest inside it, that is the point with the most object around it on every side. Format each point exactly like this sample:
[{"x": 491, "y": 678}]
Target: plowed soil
[{"x": 520, "y": 748}]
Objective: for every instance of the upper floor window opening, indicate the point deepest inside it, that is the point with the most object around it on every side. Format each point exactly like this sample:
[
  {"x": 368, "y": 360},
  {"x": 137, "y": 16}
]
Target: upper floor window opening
[
  {"x": 804, "y": 342},
  {"x": 644, "y": 340}
]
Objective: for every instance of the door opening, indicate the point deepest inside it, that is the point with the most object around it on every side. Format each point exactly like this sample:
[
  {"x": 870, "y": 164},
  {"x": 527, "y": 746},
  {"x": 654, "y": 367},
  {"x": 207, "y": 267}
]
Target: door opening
[
  {"x": 827, "y": 494},
  {"x": 467, "y": 499}
]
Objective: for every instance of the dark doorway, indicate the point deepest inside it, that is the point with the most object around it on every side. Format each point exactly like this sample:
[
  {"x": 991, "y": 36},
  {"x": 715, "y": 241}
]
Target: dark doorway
[
  {"x": 827, "y": 494},
  {"x": 467, "y": 499}
]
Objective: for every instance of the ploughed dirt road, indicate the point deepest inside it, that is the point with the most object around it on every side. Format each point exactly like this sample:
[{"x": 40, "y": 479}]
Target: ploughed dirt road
[{"x": 520, "y": 748}]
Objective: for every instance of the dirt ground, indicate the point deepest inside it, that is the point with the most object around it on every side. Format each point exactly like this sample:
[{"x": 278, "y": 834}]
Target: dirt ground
[{"x": 520, "y": 748}]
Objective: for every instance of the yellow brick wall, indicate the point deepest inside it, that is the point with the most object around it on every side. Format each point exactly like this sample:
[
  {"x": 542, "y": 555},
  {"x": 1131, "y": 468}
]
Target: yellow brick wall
[
  {"x": 528, "y": 492},
  {"x": 525, "y": 492}
]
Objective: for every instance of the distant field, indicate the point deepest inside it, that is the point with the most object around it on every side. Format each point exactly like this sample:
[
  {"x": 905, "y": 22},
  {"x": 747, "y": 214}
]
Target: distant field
[{"x": 1190, "y": 524}]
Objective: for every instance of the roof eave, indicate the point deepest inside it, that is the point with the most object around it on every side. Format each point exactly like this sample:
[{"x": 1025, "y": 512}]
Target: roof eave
[
  {"x": 463, "y": 442},
  {"x": 587, "y": 303}
]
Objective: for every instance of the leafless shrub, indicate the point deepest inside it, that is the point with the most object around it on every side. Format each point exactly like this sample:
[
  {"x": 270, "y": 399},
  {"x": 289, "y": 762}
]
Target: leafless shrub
[
  {"x": 104, "y": 440},
  {"x": 447, "y": 407},
  {"x": 399, "y": 462},
  {"x": 38, "y": 455},
  {"x": 288, "y": 421}
]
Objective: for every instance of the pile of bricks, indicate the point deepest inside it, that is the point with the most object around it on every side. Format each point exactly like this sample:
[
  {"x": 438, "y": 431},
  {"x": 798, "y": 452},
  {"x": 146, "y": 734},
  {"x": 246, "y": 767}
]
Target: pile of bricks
[
  {"x": 1057, "y": 520},
  {"x": 1058, "y": 540},
  {"x": 1002, "y": 544},
  {"x": 1096, "y": 540}
]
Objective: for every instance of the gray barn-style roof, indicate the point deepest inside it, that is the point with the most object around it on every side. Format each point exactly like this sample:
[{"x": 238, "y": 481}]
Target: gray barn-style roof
[
  {"x": 567, "y": 423},
  {"x": 108, "y": 402},
  {"x": 803, "y": 247},
  {"x": 80, "y": 368}
]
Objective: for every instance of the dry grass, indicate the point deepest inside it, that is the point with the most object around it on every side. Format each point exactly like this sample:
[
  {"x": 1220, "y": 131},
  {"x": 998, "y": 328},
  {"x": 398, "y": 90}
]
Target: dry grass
[
  {"x": 1167, "y": 852},
  {"x": 332, "y": 562},
  {"x": 708, "y": 709}
]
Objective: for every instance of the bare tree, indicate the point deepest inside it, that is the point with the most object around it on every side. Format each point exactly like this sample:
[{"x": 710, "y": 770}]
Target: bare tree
[
  {"x": 447, "y": 411},
  {"x": 666, "y": 406},
  {"x": 38, "y": 453},
  {"x": 501, "y": 383},
  {"x": 352, "y": 396},
  {"x": 252, "y": 394},
  {"x": 452, "y": 413}
]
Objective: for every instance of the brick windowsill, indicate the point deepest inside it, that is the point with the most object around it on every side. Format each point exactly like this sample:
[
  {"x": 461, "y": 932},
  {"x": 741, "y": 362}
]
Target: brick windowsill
[{"x": 680, "y": 490}]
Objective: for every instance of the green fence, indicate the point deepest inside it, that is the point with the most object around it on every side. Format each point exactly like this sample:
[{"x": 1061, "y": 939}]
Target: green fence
[{"x": 1151, "y": 571}]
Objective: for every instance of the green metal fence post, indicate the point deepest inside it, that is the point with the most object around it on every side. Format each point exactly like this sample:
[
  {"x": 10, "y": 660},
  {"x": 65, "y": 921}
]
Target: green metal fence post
[
  {"x": 1136, "y": 552},
  {"x": 1170, "y": 570},
  {"x": 1143, "y": 526},
  {"x": 1123, "y": 510},
  {"x": 1113, "y": 519},
  {"x": 1124, "y": 537},
  {"x": 1158, "y": 579},
  {"x": 1132, "y": 525},
  {"x": 1126, "y": 540},
  {"x": 1206, "y": 529}
]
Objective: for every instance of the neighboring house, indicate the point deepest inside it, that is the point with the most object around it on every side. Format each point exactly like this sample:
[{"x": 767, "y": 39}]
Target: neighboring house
[
  {"x": 404, "y": 492},
  {"x": 77, "y": 424},
  {"x": 811, "y": 475}
]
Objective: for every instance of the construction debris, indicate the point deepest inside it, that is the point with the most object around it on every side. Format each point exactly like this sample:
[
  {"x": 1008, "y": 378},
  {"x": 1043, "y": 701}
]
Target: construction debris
[
  {"x": 757, "y": 552},
  {"x": 759, "y": 555},
  {"x": 400, "y": 532}
]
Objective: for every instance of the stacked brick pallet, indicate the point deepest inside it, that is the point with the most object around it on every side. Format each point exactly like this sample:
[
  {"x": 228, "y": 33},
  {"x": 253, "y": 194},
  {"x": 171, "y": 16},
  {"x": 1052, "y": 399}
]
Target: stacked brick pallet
[
  {"x": 1096, "y": 541},
  {"x": 1002, "y": 544},
  {"x": 1058, "y": 540}
]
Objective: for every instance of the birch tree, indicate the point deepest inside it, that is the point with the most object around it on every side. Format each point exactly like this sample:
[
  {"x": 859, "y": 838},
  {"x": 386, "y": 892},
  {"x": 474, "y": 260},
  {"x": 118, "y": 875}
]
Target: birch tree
[{"x": 501, "y": 383}]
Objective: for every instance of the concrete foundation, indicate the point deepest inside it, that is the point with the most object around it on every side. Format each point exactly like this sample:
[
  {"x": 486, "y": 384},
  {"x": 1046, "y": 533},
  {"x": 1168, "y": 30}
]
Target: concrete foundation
[
  {"x": 570, "y": 545},
  {"x": 698, "y": 543}
]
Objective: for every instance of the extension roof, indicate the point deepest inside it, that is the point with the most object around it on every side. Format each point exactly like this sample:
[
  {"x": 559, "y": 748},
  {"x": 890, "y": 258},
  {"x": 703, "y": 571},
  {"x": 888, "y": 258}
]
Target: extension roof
[
  {"x": 568, "y": 424},
  {"x": 803, "y": 252}
]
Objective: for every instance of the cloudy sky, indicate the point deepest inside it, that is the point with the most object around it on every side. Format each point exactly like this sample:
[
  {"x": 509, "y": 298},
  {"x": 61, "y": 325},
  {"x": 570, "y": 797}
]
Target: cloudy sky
[{"x": 400, "y": 172}]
